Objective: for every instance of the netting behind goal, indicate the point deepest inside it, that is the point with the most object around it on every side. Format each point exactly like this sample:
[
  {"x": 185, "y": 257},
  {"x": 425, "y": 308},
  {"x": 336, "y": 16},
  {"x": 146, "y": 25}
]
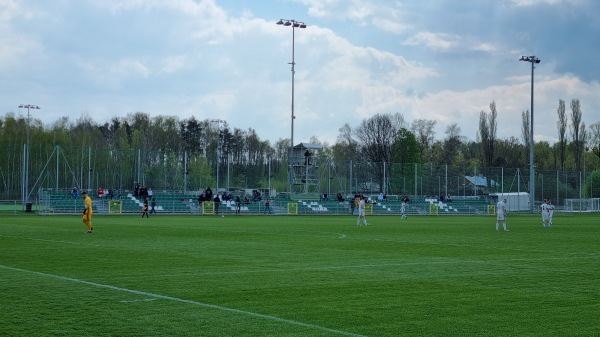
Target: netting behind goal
[{"x": 582, "y": 205}]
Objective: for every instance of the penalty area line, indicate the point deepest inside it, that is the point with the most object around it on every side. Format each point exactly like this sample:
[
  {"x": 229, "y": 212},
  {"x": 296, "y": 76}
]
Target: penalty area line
[{"x": 181, "y": 300}]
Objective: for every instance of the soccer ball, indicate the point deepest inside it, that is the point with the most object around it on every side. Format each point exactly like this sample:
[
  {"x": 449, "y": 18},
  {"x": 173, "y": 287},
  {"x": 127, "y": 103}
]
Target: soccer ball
[{"x": 222, "y": 216}]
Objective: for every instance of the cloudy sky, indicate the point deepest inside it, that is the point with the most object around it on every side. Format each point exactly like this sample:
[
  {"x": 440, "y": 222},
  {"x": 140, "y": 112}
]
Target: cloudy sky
[{"x": 445, "y": 60}]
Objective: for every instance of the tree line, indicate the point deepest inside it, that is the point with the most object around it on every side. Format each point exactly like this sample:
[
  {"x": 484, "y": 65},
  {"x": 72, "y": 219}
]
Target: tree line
[{"x": 185, "y": 154}]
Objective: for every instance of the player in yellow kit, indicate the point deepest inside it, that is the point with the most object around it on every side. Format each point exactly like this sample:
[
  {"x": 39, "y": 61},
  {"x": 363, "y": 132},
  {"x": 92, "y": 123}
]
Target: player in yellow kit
[{"x": 87, "y": 212}]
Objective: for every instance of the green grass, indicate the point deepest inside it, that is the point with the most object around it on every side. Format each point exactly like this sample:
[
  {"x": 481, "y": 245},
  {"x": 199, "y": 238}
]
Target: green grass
[{"x": 298, "y": 276}]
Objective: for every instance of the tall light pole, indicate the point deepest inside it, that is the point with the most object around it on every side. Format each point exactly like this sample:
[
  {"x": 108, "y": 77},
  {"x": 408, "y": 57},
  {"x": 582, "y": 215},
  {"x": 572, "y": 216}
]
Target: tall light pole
[
  {"x": 294, "y": 24},
  {"x": 26, "y": 160},
  {"x": 533, "y": 60}
]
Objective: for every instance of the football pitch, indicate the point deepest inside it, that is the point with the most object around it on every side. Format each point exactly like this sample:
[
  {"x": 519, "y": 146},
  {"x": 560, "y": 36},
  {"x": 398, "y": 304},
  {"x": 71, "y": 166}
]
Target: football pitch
[{"x": 299, "y": 276}]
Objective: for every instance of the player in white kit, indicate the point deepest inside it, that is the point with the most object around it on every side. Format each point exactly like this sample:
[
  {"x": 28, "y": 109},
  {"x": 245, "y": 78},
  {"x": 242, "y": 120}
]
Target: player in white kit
[
  {"x": 501, "y": 214},
  {"x": 545, "y": 213}
]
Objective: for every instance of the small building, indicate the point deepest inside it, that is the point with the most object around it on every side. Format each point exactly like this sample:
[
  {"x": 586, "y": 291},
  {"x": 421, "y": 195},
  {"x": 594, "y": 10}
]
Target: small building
[{"x": 517, "y": 201}]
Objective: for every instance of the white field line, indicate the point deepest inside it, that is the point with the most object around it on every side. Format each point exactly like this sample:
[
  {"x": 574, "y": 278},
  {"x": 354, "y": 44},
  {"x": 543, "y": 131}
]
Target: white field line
[
  {"x": 46, "y": 240},
  {"x": 181, "y": 300}
]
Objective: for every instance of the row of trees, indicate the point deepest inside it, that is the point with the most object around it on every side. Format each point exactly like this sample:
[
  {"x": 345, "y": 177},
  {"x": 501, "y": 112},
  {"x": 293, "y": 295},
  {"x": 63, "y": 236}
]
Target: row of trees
[{"x": 184, "y": 154}]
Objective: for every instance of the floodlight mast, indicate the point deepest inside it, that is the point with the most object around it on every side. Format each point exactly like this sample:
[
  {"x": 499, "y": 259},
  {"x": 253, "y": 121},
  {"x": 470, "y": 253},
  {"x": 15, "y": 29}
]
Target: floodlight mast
[
  {"x": 294, "y": 24},
  {"x": 533, "y": 60},
  {"x": 25, "y": 196}
]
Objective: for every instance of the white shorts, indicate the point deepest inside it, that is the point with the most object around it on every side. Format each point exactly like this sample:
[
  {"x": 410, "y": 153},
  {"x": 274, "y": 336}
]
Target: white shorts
[
  {"x": 361, "y": 212},
  {"x": 545, "y": 216},
  {"x": 501, "y": 217}
]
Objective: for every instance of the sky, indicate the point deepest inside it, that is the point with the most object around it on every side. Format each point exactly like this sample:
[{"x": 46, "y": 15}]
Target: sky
[{"x": 442, "y": 60}]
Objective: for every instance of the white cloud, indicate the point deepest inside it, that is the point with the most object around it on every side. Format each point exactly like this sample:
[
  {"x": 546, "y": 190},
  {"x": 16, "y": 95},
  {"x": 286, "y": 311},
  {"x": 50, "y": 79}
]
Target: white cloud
[
  {"x": 195, "y": 58},
  {"x": 128, "y": 68},
  {"x": 14, "y": 45},
  {"x": 174, "y": 64},
  {"x": 393, "y": 26},
  {"x": 437, "y": 41},
  {"x": 537, "y": 2}
]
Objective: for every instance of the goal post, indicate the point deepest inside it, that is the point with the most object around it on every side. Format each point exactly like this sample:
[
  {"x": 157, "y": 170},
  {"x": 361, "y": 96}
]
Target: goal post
[
  {"x": 208, "y": 207},
  {"x": 433, "y": 209},
  {"x": 115, "y": 207},
  {"x": 292, "y": 208},
  {"x": 368, "y": 209}
]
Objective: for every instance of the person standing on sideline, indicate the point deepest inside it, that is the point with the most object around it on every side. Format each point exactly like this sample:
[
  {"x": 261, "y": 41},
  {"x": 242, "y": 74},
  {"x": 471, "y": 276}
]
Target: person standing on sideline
[
  {"x": 550, "y": 213},
  {"x": 268, "y": 206},
  {"x": 361, "y": 211},
  {"x": 544, "y": 208},
  {"x": 238, "y": 205},
  {"x": 501, "y": 214},
  {"x": 217, "y": 203},
  {"x": 403, "y": 210},
  {"x": 145, "y": 209},
  {"x": 87, "y": 212},
  {"x": 153, "y": 206}
]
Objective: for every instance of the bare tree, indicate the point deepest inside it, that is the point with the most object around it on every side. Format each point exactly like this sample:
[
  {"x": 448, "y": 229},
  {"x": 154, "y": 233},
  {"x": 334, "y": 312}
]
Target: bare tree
[
  {"x": 487, "y": 134},
  {"x": 594, "y": 138},
  {"x": 376, "y": 136},
  {"x": 398, "y": 121},
  {"x": 526, "y": 130},
  {"x": 451, "y": 144},
  {"x": 423, "y": 131},
  {"x": 577, "y": 133},
  {"x": 484, "y": 135},
  {"x": 346, "y": 147},
  {"x": 562, "y": 130}
]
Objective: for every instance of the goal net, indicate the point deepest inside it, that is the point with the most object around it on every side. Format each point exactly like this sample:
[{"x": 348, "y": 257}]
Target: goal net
[{"x": 582, "y": 205}]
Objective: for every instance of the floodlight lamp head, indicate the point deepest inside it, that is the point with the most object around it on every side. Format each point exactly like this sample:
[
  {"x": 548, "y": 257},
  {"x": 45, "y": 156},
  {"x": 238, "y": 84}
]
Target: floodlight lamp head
[
  {"x": 296, "y": 25},
  {"x": 280, "y": 22},
  {"x": 287, "y": 23},
  {"x": 302, "y": 25}
]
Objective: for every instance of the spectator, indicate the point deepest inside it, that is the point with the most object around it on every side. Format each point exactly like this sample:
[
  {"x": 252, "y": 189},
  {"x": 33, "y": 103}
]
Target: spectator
[
  {"x": 153, "y": 206},
  {"x": 100, "y": 192},
  {"x": 208, "y": 194},
  {"x": 340, "y": 198},
  {"x": 352, "y": 205},
  {"x": 75, "y": 192},
  {"x": 268, "y": 206},
  {"x": 217, "y": 202},
  {"x": 238, "y": 205}
]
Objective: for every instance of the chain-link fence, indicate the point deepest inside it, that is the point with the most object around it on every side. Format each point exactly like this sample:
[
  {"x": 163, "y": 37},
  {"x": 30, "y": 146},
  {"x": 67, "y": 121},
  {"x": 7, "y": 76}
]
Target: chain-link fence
[{"x": 55, "y": 168}]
